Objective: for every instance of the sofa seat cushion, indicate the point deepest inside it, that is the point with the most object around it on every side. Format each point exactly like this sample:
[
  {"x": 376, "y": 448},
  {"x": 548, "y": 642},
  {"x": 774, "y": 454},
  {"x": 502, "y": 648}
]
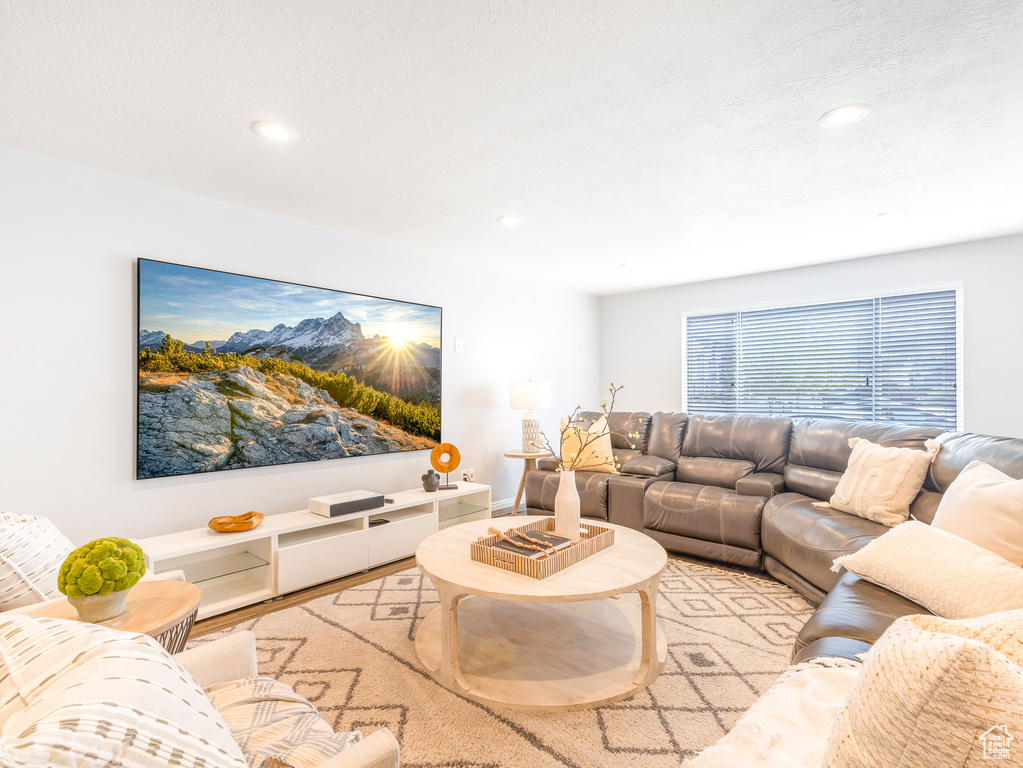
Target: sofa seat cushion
[
  {"x": 79, "y": 694},
  {"x": 807, "y": 539},
  {"x": 271, "y": 723},
  {"x": 704, "y": 512},
  {"x": 855, "y": 609},
  {"x": 542, "y": 487}
]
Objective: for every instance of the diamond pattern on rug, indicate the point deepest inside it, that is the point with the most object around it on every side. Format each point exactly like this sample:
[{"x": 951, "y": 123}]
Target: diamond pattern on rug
[{"x": 352, "y": 654}]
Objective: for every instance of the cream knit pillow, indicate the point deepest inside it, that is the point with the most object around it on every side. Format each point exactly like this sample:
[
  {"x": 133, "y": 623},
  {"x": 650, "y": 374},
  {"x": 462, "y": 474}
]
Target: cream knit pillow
[
  {"x": 947, "y": 575},
  {"x": 935, "y": 693},
  {"x": 880, "y": 483},
  {"x": 985, "y": 506},
  {"x": 599, "y": 455}
]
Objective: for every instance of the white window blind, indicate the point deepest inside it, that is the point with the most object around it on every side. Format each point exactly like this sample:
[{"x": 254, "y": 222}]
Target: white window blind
[{"x": 888, "y": 358}]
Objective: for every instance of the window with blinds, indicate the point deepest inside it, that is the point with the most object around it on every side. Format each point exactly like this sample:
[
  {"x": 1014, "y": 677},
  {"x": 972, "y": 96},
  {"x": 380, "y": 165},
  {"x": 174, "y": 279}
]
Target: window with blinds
[{"x": 887, "y": 358}]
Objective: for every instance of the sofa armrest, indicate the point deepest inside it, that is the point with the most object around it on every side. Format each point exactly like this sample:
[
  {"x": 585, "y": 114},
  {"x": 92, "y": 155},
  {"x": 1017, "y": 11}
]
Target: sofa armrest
[
  {"x": 625, "y": 498},
  {"x": 765, "y": 484},
  {"x": 229, "y": 658},
  {"x": 648, "y": 466},
  {"x": 378, "y": 750}
]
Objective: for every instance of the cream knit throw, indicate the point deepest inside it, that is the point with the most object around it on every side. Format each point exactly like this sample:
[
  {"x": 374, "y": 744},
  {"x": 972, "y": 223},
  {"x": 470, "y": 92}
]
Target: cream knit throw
[{"x": 936, "y": 693}]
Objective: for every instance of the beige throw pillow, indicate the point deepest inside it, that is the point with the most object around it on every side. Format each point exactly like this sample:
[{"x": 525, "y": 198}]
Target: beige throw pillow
[
  {"x": 598, "y": 453},
  {"x": 947, "y": 575},
  {"x": 936, "y": 693},
  {"x": 985, "y": 506},
  {"x": 880, "y": 483}
]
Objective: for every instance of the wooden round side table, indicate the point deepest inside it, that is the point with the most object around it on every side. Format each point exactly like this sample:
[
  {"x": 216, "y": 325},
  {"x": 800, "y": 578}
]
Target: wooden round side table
[
  {"x": 164, "y": 610},
  {"x": 530, "y": 458}
]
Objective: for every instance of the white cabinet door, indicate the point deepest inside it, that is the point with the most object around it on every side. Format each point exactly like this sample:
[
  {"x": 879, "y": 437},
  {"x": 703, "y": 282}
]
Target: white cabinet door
[
  {"x": 399, "y": 538},
  {"x": 313, "y": 562}
]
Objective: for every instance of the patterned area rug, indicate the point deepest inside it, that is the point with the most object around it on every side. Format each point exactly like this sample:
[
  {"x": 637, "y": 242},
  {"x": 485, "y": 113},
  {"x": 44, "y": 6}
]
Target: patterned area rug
[{"x": 352, "y": 654}]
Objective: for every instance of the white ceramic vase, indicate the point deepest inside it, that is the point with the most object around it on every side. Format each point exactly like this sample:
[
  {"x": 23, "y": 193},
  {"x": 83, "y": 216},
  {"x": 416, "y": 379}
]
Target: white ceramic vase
[
  {"x": 96, "y": 608},
  {"x": 566, "y": 506}
]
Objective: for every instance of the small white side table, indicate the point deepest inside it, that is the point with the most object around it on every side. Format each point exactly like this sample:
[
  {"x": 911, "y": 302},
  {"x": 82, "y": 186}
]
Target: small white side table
[{"x": 530, "y": 458}]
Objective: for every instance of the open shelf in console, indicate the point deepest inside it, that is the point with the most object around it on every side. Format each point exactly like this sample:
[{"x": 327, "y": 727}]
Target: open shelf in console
[{"x": 230, "y": 575}]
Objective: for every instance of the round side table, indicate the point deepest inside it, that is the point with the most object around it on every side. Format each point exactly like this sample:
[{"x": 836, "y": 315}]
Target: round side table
[
  {"x": 530, "y": 458},
  {"x": 164, "y": 610}
]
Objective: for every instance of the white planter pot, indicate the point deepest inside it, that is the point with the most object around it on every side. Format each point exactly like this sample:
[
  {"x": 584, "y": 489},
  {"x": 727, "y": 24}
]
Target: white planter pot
[
  {"x": 566, "y": 507},
  {"x": 96, "y": 608}
]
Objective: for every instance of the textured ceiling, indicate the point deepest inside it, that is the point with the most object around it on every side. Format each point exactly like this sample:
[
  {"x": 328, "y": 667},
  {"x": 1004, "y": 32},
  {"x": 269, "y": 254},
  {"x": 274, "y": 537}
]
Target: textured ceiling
[{"x": 677, "y": 137}]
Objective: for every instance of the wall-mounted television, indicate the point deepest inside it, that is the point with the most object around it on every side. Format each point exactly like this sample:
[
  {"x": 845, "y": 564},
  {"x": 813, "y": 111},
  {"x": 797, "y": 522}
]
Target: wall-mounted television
[{"x": 237, "y": 371}]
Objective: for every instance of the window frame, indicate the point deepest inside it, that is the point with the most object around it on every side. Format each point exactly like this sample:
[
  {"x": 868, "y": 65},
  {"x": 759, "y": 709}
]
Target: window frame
[{"x": 837, "y": 298}]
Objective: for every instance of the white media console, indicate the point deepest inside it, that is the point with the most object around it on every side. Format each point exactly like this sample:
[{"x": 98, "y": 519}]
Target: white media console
[{"x": 295, "y": 550}]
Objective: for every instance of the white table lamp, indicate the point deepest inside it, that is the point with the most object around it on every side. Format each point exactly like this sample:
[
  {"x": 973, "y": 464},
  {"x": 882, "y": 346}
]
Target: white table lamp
[{"x": 529, "y": 396}]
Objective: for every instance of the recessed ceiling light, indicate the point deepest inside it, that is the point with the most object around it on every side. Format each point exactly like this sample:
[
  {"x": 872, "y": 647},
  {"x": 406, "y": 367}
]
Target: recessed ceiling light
[
  {"x": 840, "y": 117},
  {"x": 509, "y": 221},
  {"x": 274, "y": 131},
  {"x": 891, "y": 216}
]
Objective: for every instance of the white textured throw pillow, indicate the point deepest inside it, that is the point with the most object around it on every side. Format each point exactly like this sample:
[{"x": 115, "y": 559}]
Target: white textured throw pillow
[
  {"x": 880, "y": 483},
  {"x": 31, "y": 553},
  {"x": 985, "y": 506},
  {"x": 949, "y": 576},
  {"x": 83, "y": 695},
  {"x": 936, "y": 693}
]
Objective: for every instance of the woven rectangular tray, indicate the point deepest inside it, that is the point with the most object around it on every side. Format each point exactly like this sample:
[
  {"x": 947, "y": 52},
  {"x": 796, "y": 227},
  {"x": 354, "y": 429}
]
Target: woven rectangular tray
[{"x": 598, "y": 539}]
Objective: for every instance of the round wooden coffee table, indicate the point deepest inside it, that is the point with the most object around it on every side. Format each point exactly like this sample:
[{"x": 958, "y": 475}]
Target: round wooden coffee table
[
  {"x": 497, "y": 638},
  {"x": 164, "y": 610}
]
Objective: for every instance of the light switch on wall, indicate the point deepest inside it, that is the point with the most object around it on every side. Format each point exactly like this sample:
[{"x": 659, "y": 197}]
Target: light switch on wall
[{"x": 458, "y": 344}]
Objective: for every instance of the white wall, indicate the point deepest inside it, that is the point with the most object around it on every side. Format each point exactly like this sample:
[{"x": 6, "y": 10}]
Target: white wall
[
  {"x": 69, "y": 238},
  {"x": 641, "y": 332}
]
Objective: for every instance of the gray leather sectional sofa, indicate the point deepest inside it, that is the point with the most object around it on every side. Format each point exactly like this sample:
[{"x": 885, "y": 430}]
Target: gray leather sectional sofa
[{"x": 740, "y": 490}]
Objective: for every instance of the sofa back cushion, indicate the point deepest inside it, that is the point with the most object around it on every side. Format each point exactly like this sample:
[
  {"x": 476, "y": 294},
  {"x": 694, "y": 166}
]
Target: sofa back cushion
[
  {"x": 819, "y": 453},
  {"x": 625, "y": 424},
  {"x": 960, "y": 448},
  {"x": 763, "y": 440},
  {"x": 666, "y": 433}
]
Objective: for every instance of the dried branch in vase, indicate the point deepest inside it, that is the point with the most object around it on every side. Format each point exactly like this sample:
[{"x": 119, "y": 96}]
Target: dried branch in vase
[{"x": 587, "y": 455}]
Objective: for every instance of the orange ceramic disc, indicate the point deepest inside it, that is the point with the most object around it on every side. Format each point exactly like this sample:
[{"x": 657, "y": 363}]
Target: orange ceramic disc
[{"x": 445, "y": 457}]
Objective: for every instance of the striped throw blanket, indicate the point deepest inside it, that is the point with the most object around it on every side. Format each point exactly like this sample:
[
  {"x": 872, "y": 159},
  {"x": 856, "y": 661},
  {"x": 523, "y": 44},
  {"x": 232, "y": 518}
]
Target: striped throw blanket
[{"x": 275, "y": 726}]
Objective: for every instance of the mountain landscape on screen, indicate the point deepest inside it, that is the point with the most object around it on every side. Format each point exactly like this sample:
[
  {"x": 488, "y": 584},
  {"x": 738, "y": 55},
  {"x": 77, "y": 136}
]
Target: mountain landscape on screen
[{"x": 217, "y": 390}]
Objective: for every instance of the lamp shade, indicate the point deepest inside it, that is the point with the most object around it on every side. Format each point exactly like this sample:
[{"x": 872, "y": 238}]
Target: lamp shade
[{"x": 530, "y": 395}]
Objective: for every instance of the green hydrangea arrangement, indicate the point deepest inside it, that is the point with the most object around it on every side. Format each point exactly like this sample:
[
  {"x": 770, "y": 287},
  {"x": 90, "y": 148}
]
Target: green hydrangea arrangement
[{"x": 101, "y": 567}]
